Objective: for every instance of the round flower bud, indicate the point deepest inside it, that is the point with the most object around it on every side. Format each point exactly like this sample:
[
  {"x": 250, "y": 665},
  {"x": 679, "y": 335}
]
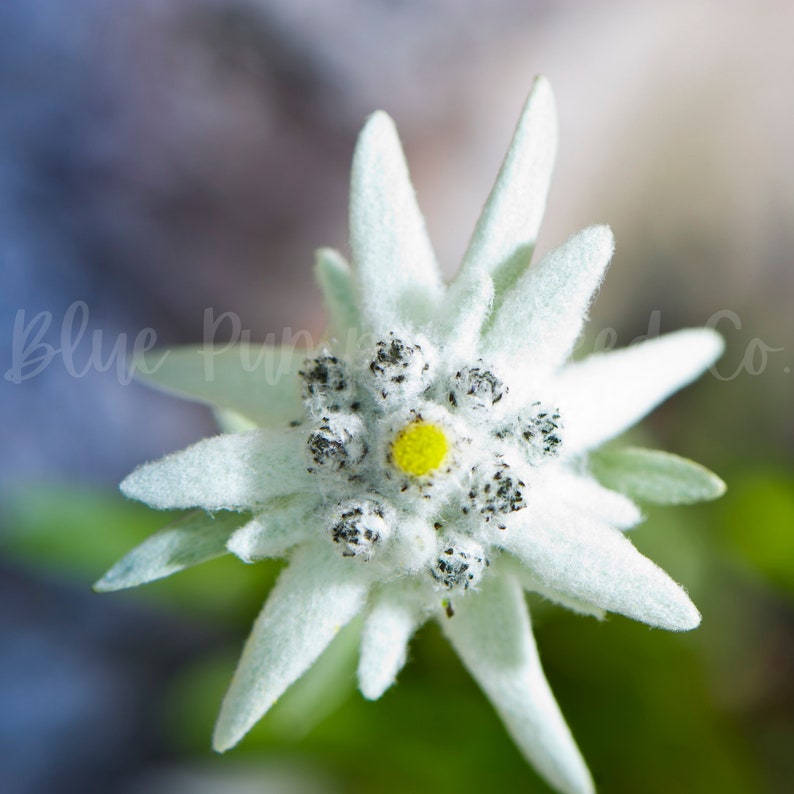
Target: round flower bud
[
  {"x": 327, "y": 385},
  {"x": 495, "y": 490},
  {"x": 540, "y": 429},
  {"x": 359, "y": 526},
  {"x": 398, "y": 370},
  {"x": 476, "y": 387},
  {"x": 460, "y": 563},
  {"x": 337, "y": 443}
]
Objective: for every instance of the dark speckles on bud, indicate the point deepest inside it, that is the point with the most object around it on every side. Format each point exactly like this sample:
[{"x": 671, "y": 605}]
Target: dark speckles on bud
[
  {"x": 541, "y": 429},
  {"x": 398, "y": 369},
  {"x": 358, "y": 527},
  {"x": 496, "y": 491},
  {"x": 460, "y": 563},
  {"x": 476, "y": 387},
  {"x": 337, "y": 443},
  {"x": 327, "y": 384}
]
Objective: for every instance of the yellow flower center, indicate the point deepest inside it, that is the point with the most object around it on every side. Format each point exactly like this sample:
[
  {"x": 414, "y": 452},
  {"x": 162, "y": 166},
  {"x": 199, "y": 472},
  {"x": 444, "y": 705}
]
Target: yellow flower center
[{"x": 419, "y": 448}]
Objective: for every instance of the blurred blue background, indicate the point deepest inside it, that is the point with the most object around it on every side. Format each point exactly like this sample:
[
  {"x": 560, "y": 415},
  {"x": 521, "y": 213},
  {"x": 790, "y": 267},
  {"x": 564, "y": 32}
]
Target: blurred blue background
[{"x": 159, "y": 158}]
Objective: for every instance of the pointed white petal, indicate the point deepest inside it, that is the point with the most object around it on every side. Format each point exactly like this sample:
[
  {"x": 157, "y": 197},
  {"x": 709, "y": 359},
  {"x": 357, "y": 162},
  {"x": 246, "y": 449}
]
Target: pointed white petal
[
  {"x": 584, "y": 495},
  {"x": 257, "y": 381},
  {"x": 314, "y": 598},
  {"x": 606, "y": 394},
  {"x": 655, "y": 476},
  {"x": 190, "y": 540},
  {"x": 223, "y": 472},
  {"x": 393, "y": 619},
  {"x": 459, "y": 329},
  {"x": 393, "y": 258},
  {"x": 582, "y": 558},
  {"x": 505, "y": 235},
  {"x": 285, "y": 522},
  {"x": 532, "y": 584},
  {"x": 491, "y": 633},
  {"x": 339, "y": 292},
  {"x": 540, "y": 318}
]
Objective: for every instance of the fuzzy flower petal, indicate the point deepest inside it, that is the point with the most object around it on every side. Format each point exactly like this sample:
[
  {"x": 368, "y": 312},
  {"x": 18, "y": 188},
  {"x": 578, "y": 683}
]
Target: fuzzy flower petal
[
  {"x": 541, "y": 317},
  {"x": 391, "y": 622},
  {"x": 504, "y": 238},
  {"x": 587, "y": 560},
  {"x": 339, "y": 292},
  {"x": 256, "y": 381},
  {"x": 286, "y": 522},
  {"x": 397, "y": 270},
  {"x": 460, "y": 330},
  {"x": 655, "y": 476},
  {"x": 193, "y": 539},
  {"x": 580, "y": 492},
  {"x": 312, "y": 600},
  {"x": 532, "y": 584},
  {"x": 229, "y": 472},
  {"x": 606, "y": 394},
  {"x": 492, "y": 635}
]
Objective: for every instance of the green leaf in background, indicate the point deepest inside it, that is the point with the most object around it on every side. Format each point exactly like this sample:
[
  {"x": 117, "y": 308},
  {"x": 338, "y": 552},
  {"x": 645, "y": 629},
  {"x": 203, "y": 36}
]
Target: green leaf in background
[
  {"x": 650, "y": 475},
  {"x": 188, "y": 541},
  {"x": 759, "y": 525}
]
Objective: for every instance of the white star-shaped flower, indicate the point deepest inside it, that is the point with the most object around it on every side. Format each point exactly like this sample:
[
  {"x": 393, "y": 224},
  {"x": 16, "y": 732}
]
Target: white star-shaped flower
[{"x": 433, "y": 458}]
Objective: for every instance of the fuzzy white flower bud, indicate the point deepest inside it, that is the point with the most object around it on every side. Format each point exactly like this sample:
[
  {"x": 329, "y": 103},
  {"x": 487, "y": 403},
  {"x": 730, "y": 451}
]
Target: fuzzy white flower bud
[
  {"x": 327, "y": 384},
  {"x": 460, "y": 562},
  {"x": 398, "y": 370},
  {"x": 476, "y": 387},
  {"x": 540, "y": 428},
  {"x": 359, "y": 526},
  {"x": 338, "y": 443},
  {"x": 495, "y": 490}
]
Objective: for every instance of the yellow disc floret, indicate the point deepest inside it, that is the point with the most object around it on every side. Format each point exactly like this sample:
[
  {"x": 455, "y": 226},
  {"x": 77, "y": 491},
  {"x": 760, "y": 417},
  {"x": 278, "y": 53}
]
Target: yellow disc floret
[{"x": 419, "y": 448}]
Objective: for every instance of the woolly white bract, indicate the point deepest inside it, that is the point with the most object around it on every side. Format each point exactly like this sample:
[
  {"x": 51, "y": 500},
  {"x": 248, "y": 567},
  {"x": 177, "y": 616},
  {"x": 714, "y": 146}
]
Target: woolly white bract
[{"x": 433, "y": 458}]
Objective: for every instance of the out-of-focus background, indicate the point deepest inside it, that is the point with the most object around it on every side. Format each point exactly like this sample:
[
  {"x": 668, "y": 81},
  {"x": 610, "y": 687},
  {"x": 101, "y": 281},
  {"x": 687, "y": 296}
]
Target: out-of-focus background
[{"x": 161, "y": 158}]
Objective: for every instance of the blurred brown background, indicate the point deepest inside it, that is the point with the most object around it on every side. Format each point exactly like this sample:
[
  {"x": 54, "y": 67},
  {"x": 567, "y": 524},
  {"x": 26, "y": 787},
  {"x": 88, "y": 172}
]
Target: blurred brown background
[{"x": 159, "y": 158}]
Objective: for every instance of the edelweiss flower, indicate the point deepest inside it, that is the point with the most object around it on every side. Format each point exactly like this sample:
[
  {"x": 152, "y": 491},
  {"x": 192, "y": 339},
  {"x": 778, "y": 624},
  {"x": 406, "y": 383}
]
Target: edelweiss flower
[{"x": 432, "y": 458}]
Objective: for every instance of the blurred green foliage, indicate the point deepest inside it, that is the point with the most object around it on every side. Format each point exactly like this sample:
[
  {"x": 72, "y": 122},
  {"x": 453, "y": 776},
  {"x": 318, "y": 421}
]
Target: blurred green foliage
[{"x": 758, "y": 520}]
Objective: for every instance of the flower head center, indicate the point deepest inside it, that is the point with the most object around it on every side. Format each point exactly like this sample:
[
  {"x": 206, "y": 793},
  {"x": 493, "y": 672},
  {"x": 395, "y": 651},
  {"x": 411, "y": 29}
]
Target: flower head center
[{"x": 419, "y": 448}]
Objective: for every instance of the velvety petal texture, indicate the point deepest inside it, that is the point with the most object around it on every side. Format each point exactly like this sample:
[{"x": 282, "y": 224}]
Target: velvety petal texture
[
  {"x": 339, "y": 293},
  {"x": 392, "y": 620},
  {"x": 256, "y": 381},
  {"x": 654, "y": 476},
  {"x": 580, "y": 557},
  {"x": 578, "y": 491},
  {"x": 312, "y": 600},
  {"x": 491, "y": 633},
  {"x": 460, "y": 331},
  {"x": 505, "y": 235},
  {"x": 608, "y": 393},
  {"x": 397, "y": 272},
  {"x": 283, "y": 523},
  {"x": 229, "y": 472},
  {"x": 190, "y": 540},
  {"x": 540, "y": 319}
]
